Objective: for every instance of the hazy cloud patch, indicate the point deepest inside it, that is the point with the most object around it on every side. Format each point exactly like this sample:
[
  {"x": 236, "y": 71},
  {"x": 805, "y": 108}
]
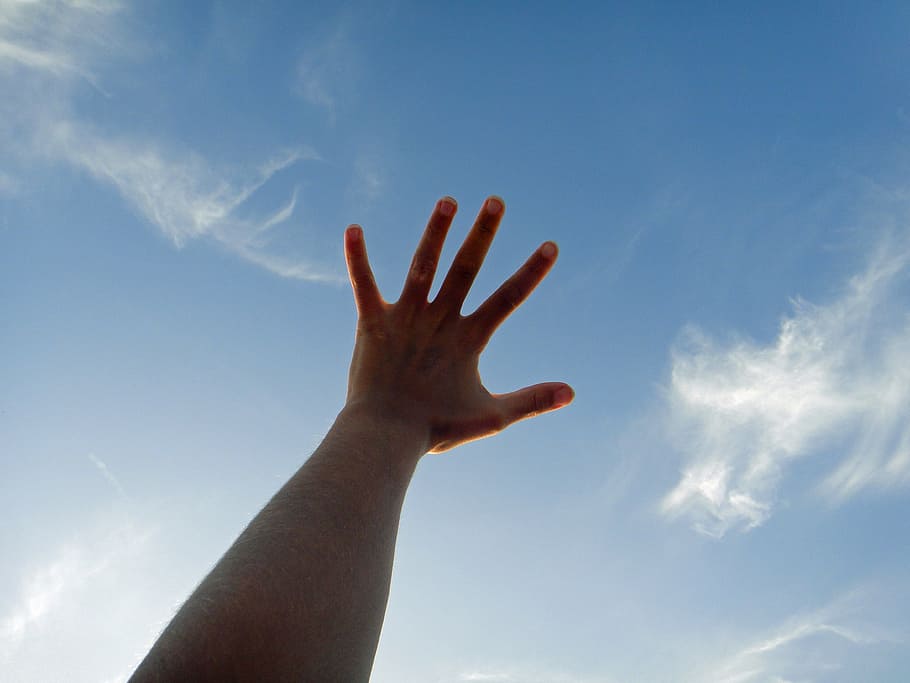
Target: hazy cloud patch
[
  {"x": 84, "y": 561},
  {"x": 806, "y": 646},
  {"x": 59, "y": 39},
  {"x": 9, "y": 186},
  {"x": 326, "y": 71}
]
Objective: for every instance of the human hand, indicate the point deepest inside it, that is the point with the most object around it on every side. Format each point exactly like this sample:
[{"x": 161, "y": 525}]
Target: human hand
[{"x": 417, "y": 361}]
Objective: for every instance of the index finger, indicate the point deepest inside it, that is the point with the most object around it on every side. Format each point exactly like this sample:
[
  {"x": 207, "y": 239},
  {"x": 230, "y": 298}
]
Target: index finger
[{"x": 470, "y": 256}]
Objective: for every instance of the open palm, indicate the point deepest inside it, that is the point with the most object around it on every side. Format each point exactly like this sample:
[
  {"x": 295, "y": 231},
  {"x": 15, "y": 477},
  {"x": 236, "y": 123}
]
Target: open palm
[{"x": 417, "y": 360}]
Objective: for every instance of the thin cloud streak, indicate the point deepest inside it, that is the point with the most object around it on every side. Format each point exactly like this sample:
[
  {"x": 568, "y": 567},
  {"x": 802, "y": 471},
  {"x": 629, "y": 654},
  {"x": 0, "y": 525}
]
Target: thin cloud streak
[
  {"x": 783, "y": 652},
  {"x": 107, "y": 474},
  {"x": 836, "y": 380},
  {"x": 183, "y": 196},
  {"x": 279, "y": 217},
  {"x": 48, "y": 61}
]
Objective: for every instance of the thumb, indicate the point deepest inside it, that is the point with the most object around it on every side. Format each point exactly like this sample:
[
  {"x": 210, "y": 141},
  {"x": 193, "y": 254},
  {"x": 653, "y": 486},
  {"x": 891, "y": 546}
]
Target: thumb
[{"x": 534, "y": 400}]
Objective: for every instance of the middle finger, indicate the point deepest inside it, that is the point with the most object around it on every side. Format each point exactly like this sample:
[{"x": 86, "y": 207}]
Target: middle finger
[{"x": 470, "y": 256}]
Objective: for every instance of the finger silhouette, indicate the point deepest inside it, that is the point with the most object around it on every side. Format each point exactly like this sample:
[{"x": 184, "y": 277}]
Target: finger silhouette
[
  {"x": 534, "y": 400},
  {"x": 470, "y": 256},
  {"x": 426, "y": 257},
  {"x": 366, "y": 293},
  {"x": 512, "y": 293}
]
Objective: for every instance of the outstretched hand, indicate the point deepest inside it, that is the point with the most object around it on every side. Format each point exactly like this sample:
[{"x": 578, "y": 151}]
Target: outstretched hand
[
  {"x": 417, "y": 361},
  {"x": 301, "y": 595}
]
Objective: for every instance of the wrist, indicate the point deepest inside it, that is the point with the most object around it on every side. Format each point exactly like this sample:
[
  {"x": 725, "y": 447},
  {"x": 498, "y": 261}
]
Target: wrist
[{"x": 398, "y": 434}]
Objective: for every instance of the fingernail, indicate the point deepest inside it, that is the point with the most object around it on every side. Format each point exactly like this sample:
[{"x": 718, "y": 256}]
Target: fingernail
[
  {"x": 355, "y": 233},
  {"x": 494, "y": 206},
  {"x": 562, "y": 396},
  {"x": 447, "y": 206},
  {"x": 548, "y": 250}
]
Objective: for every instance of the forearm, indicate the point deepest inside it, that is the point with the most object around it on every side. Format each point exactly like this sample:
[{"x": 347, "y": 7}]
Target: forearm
[{"x": 302, "y": 593}]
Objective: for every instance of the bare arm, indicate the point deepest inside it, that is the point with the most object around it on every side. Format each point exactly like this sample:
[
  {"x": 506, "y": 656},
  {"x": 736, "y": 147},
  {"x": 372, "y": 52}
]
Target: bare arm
[{"x": 301, "y": 594}]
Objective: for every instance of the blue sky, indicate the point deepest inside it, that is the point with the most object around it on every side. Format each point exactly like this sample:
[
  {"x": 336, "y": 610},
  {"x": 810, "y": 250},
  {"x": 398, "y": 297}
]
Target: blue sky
[{"x": 725, "y": 500}]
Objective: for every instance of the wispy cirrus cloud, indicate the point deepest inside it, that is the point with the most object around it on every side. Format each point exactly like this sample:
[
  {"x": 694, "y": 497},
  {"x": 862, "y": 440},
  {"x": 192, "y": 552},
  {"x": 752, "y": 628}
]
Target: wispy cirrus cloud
[
  {"x": 174, "y": 188},
  {"x": 808, "y": 645},
  {"x": 835, "y": 382},
  {"x": 58, "y": 39},
  {"x": 184, "y": 196}
]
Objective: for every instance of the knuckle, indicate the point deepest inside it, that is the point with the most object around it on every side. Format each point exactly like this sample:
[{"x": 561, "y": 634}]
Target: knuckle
[
  {"x": 470, "y": 336},
  {"x": 436, "y": 229},
  {"x": 485, "y": 229},
  {"x": 371, "y": 326},
  {"x": 498, "y": 422},
  {"x": 464, "y": 272},
  {"x": 540, "y": 402},
  {"x": 423, "y": 268},
  {"x": 538, "y": 264},
  {"x": 513, "y": 295}
]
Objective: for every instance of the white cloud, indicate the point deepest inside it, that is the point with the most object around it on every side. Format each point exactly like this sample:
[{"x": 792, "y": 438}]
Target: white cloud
[
  {"x": 58, "y": 39},
  {"x": 55, "y": 63},
  {"x": 835, "y": 382},
  {"x": 806, "y": 645},
  {"x": 46, "y": 588},
  {"x": 41, "y": 590},
  {"x": 183, "y": 196},
  {"x": 93, "y": 585},
  {"x": 173, "y": 188}
]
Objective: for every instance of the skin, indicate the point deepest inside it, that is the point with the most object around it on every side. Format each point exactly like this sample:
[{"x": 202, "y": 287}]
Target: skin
[{"x": 301, "y": 594}]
